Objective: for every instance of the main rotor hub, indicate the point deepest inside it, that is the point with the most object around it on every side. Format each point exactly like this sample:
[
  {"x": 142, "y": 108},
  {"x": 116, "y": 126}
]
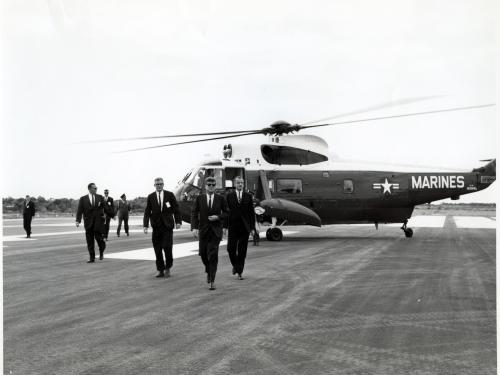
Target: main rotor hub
[{"x": 280, "y": 128}]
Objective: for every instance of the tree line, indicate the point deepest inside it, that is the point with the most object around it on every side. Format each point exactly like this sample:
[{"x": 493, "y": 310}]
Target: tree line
[{"x": 61, "y": 205}]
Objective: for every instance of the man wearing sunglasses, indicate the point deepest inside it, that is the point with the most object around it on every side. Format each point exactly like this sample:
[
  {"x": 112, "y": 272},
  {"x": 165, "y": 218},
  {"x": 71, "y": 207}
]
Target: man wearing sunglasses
[
  {"x": 207, "y": 220},
  {"x": 163, "y": 212}
]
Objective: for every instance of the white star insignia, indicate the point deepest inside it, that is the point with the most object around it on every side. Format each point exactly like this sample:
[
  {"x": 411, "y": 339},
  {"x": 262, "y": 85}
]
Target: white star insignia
[{"x": 386, "y": 186}]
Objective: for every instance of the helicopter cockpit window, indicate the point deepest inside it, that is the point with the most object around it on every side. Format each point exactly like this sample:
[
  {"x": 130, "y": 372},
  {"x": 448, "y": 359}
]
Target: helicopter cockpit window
[
  {"x": 187, "y": 176},
  {"x": 196, "y": 178},
  {"x": 293, "y": 186},
  {"x": 348, "y": 186}
]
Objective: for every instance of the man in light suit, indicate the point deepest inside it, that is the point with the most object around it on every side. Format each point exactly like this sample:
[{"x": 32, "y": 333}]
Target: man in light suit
[
  {"x": 241, "y": 223},
  {"x": 28, "y": 213},
  {"x": 207, "y": 220},
  {"x": 108, "y": 202},
  {"x": 123, "y": 211},
  {"x": 163, "y": 212},
  {"x": 93, "y": 209}
]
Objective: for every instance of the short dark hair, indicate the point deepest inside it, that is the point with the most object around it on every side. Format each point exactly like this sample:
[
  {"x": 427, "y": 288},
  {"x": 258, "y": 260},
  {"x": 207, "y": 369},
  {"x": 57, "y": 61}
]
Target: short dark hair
[
  {"x": 210, "y": 179},
  {"x": 89, "y": 185},
  {"x": 106, "y": 190}
]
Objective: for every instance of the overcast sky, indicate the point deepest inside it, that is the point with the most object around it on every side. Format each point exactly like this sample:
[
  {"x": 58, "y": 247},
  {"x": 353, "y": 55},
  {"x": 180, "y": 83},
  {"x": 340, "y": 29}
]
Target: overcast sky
[{"x": 79, "y": 70}]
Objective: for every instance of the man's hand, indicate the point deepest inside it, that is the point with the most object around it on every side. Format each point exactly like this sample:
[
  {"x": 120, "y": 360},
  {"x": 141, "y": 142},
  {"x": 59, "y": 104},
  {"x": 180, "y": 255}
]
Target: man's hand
[
  {"x": 178, "y": 226},
  {"x": 145, "y": 230},
  {"x": 195, "y": 233},
  {"x": 77, "y": 224},
  {"x": 213, "y": 217},
  {"x": 252, "y": 232}
]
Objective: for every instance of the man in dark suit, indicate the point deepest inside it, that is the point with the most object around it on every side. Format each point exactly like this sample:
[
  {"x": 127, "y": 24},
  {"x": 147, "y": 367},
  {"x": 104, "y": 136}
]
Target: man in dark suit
[
  {"x": 123, "y": 211},
  {"x": 28, "y": 213},
  {"x": 110, "y": 214},
  {"x": 240, "y": 224},
  {"x": 208, "y": 216},
  {"x": 93, "y": 209},
  {"x": 163, "y": 212}
]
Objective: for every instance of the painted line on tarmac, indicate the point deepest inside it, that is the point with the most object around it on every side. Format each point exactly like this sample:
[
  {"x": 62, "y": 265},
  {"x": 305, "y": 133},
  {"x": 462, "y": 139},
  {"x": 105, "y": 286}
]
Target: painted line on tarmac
[
  {"x": 22, "y": 237},
  {"x": 424, "y": 221},
  {"x": 180, "y": 250},
  {"x": 474, "y": 222}
]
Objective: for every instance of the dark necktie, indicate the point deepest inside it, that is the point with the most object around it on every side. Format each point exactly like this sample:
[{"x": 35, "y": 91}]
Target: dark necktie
[
  {"x": 210, "y": 202},
  {"x": 159, "y": 200},
  {"x": 239, "y": 197},
  {"x": 92, "y": 200}
]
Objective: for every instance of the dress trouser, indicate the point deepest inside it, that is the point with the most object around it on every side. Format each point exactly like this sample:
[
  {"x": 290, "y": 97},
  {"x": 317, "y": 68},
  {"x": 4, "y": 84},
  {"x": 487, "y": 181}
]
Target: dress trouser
[
  {"x": 90, "y": 236},
  {"x": 27, "y": 223},
  {"x": 106, "y": 227},
  {"x": 162, "y": 243},
  {"x": 209, "y": 252},
  {"x": 125, "y": 222},
  {"x": 237, "y": 243}
]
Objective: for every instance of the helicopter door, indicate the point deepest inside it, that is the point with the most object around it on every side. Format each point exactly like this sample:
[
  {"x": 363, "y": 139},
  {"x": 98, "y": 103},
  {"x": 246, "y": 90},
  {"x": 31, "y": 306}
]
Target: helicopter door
[{"x": 231, "y": 174}]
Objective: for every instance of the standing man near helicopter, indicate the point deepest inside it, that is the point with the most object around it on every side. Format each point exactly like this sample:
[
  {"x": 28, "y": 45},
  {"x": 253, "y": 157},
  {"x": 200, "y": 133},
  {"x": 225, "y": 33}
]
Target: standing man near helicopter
[
  {"x": 208, "y": 216},
  {"x": 241, "y": 224},
  {"x": 163, "y": 211}
]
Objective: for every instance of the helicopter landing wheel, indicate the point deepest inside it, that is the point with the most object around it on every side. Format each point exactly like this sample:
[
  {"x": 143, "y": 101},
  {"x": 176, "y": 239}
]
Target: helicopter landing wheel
[
  {"x": 274, "y": 234},
  {"x": 408, "y": 232}
]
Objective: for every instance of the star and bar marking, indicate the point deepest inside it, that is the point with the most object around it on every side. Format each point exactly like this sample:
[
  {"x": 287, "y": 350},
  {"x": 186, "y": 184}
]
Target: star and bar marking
[{"x": 386, "y": 186}]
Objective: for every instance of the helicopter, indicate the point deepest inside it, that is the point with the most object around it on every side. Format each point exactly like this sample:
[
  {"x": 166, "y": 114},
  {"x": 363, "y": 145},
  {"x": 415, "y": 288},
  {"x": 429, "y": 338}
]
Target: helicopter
[{"x": 295, "y": 181}]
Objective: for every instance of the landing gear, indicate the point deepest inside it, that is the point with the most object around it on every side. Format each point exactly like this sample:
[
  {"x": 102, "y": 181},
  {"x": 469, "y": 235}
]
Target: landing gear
[
  {"x": 408, "y": 231},
  {"x": 274, "y": 234}
]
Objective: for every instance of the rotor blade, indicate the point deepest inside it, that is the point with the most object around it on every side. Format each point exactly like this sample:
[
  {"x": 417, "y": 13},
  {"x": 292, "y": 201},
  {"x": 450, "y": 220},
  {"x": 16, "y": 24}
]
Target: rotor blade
[
  {"x": 183, "y": 143},
  {"x": 376, "y": 107},
  {"x": 168, "y": 136},
  {"x": 397, "y": 116}
]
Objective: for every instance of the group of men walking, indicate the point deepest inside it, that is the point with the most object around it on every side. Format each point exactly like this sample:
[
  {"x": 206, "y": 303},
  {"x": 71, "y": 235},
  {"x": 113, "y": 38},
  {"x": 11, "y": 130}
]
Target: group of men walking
[{"x": 211, "y": 216}]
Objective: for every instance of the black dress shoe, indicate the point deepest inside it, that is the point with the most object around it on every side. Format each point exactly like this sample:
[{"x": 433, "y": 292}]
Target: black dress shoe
[
  {"x": 212, "y": 286},
  {"x": 167, "y": 273},
  {"x": 160, "y": 274},
  {"x": 234, "y": 271},
  {"x": 127, "y": 234},
  {"x": 240, "y": 277},
  {"x": 91, "y": 261},
  {"x": 101, "y": 256}
]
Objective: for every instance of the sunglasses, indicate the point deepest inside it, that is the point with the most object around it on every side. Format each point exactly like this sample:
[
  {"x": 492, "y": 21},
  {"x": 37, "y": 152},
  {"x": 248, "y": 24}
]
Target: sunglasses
[{"x": 210, "y": 184}]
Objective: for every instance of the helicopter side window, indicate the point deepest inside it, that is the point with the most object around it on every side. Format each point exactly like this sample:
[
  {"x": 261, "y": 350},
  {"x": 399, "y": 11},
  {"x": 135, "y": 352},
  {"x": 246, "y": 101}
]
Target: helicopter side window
[
  {"x": 293, "y": 186},
  {"x": 348, "y": 186}
]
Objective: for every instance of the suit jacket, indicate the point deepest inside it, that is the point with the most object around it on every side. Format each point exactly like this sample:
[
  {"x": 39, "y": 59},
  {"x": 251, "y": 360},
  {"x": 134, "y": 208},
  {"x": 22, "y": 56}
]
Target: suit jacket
[
  {"x": 123, "y": 208},
  {"x": 29, "y": 209},
  {"x": 200, "y": 214},
  {"x": 110, "y": 207},
  {"x": 169, "y": 215},
  {"x": 93, "y": 217},
  {"x": 241, "y": 215}
]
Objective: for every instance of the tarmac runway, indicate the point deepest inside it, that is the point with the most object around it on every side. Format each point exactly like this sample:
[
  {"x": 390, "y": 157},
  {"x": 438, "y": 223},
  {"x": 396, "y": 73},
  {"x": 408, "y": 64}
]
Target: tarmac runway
[{"x": 344, "y": 299}]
